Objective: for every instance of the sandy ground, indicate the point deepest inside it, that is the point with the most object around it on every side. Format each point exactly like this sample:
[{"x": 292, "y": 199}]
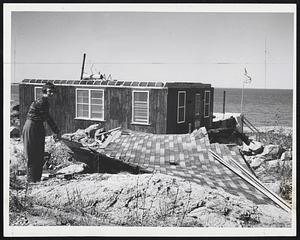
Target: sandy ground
[{"x": 142, "y": 200}]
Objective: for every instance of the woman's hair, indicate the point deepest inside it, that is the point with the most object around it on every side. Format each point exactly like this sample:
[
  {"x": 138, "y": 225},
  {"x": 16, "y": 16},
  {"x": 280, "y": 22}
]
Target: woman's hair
[{"x": 48, "y": 86}]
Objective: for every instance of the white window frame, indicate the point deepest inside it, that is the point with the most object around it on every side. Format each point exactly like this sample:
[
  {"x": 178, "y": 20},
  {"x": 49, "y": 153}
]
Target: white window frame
[
  {"x": 89, "y": 96},
  {"x": 132, "y": 104},
  {"x": 35, "y": 94},
  {"x": 197, "y": 107},
  {"x": 179, "y": 107},
  {"x": 207, "y": 104}
]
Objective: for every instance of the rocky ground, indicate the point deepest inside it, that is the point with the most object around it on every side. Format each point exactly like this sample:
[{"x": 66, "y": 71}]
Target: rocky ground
[{"x": 271, "y": 159}]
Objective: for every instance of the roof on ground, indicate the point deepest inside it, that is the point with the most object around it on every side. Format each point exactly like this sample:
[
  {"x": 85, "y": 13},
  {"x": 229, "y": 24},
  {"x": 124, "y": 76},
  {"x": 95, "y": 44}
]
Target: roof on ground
[{"x": 183, "y": 155}]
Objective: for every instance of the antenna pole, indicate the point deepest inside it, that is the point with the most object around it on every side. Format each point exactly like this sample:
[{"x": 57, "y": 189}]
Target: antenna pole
[
  {"x": 15, "y": 46},
  {"x": 265, "y": 62},
  {"x": 82, "y": 69}
]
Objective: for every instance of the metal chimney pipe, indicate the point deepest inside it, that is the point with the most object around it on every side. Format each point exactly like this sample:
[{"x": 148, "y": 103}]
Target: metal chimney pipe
[{"x": 82, "y": 69}]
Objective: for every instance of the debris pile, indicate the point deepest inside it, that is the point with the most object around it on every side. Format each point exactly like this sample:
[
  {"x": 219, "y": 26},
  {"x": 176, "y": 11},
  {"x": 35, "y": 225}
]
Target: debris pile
[
  {"x": 92, "y": 137},
  {"x": 227, "y": 131}
]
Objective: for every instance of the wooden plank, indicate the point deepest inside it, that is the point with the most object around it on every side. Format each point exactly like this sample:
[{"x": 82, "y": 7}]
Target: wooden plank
[
  {"x": 113, "y": 135},
  {"x": 107, "y": 132},
  {"x": 256, "y": 180},
  {"x": 254, "y": 183}
]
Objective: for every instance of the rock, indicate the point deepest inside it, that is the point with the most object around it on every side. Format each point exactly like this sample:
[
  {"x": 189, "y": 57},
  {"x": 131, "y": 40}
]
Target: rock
[
  {"x": 74, "y": 168},
  {"x": 273, "y": 164},
  {"x": 256, "y": 147},
  {"x": 287, "y": 155},
  {"x": 256, "y": 162},
  {"x": 15, "y": 132},
  {"x": 246, "y": 150},
  {"x": 272, "y": 151},
  {"x": 287, "y": 165},
  {"x": 274, "y": 186}
]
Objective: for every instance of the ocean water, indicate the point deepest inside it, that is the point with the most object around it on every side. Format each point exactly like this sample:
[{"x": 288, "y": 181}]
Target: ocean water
[{"x": 263, "y": 107}]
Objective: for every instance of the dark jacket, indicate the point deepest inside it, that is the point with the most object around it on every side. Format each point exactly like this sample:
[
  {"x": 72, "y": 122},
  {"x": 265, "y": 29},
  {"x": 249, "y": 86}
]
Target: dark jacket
[{"x": 39, "y": 111}]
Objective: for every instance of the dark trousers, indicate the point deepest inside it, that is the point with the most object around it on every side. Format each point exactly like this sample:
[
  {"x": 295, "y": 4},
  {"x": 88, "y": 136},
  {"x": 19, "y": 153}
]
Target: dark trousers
[{"x": 34, "y": 147}]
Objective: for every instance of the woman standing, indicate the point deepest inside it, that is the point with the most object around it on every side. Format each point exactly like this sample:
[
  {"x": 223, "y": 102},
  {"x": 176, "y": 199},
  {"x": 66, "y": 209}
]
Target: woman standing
[{"x": 34, "y": 133}]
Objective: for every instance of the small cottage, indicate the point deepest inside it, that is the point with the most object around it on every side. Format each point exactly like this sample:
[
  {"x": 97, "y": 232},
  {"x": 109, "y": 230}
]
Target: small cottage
[{"x": 153, "y": 107}]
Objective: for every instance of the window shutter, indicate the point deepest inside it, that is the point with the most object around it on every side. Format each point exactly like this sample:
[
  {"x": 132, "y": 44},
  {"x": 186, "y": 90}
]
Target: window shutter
[{"x": 140, "y": 107}]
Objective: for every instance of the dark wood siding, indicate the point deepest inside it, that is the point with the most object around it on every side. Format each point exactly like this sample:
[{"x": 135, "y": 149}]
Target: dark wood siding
[
  {"x": 117, "y": 113},
  {"x": 172, "y": 125}
]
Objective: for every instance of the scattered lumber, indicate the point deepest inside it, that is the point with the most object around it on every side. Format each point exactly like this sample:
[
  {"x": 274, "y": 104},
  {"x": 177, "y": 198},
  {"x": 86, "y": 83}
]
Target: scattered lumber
[
  {"x": 98, "y": 135},
  {"x": 243, "y": 173}
]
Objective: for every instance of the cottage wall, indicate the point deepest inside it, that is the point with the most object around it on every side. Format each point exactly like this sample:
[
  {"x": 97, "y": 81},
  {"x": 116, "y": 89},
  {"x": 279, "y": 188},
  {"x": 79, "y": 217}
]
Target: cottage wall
[
  {"x": 117, "y": 104},
  {"x": 190, "y": 117}
]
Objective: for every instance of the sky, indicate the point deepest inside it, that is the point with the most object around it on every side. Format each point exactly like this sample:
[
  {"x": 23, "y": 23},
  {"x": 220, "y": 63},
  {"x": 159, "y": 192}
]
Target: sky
[{"x": 202, "y": 47}]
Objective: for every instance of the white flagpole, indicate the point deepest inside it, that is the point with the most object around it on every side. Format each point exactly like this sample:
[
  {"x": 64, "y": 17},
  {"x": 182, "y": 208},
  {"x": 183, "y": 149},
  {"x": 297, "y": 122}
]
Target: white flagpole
[
  {"x": 242, "y": 97},
  {"x": 248, "y": 80}
]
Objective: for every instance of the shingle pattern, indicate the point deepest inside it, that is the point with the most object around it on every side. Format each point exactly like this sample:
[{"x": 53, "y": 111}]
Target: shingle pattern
[
  {"x": 183, "y": 155},
  {"x": 98, "y": 82}
]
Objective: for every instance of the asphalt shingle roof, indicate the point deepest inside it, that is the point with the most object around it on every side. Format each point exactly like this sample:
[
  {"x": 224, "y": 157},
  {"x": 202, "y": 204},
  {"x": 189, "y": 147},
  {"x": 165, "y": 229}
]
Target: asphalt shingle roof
[{"x": 183, "y": 155}]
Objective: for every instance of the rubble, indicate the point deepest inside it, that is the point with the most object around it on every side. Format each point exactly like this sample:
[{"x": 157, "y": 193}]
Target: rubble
[
  {"x": 256, "y": 147},
  {"x": 272, "y": 151},
  {"x": 227, "y": 130},
  {"x": 256, "y": 162},
  {"x": 286, "y": 156}
]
